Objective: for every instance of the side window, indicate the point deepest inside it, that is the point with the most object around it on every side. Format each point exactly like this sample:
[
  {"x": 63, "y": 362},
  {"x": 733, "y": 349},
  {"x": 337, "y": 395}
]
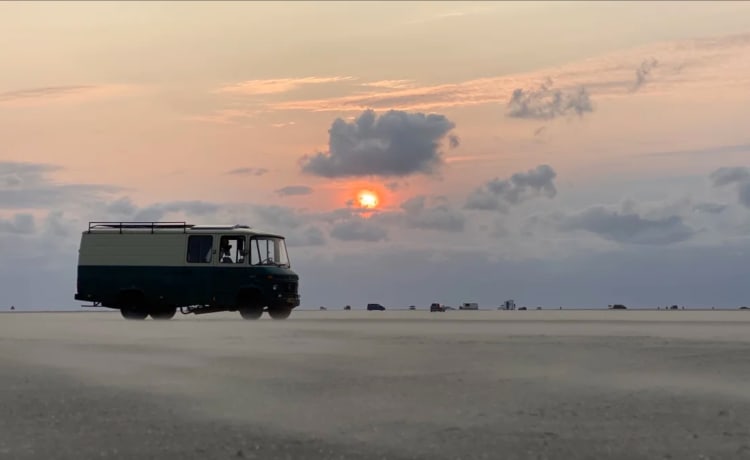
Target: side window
[
  {"x": 199, "y": 249},
  {"x": 232, "y": 250},
  {"x": 260, "y": 251}
]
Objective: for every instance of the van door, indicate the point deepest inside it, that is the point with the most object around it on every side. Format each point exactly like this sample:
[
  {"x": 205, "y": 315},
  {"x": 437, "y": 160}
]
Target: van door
[
  {"x": 231, "y": 269},
  {"x": 198, "y": 285}
]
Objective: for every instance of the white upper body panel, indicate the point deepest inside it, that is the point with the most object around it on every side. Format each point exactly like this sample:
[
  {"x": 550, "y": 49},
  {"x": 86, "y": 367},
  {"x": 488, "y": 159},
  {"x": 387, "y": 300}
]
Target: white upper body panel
[{"x": 140, "y": 246}]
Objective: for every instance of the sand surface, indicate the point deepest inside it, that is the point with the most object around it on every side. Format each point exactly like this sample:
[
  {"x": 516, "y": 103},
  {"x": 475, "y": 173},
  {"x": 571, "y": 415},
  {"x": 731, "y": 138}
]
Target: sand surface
[{"x": 377, "y": 385}]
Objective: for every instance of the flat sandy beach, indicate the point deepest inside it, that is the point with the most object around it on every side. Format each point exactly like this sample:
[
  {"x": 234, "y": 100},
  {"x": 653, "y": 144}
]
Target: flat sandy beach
[{"x": 377, "y": 385}]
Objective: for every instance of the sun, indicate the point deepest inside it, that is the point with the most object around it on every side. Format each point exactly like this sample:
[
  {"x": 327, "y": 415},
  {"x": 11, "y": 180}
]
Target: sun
[{"x": 367, "y": 199}]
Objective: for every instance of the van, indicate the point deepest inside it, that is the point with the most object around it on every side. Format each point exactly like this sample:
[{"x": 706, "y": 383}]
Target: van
[{"x": 155, "y": 268}]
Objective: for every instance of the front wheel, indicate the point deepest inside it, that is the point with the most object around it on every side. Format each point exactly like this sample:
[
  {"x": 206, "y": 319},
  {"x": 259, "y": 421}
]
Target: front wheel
[{"x": 279, "y": 313}]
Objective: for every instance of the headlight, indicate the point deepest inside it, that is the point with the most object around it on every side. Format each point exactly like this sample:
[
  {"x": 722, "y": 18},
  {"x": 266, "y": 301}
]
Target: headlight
[{"x": 275, "y": 286}]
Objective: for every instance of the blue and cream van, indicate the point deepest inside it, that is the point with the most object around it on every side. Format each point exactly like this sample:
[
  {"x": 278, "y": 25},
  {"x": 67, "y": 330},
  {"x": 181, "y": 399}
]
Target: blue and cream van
[{"x": 155, "y": 268}]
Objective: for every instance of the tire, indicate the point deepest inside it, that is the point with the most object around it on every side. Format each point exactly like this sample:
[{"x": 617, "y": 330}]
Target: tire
[
  {"x": 163, "y": 313},
  {"x": 132, "y": 313},
  {"x": 251, "y": 311},
  {"x": 279, "y": 313},
  {"x": 132, "y": 305}
]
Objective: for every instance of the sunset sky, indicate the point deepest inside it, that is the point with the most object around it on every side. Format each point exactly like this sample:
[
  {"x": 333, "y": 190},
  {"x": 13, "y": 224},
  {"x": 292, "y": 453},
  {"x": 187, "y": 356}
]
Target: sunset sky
[{"x": 559, "y": 154}]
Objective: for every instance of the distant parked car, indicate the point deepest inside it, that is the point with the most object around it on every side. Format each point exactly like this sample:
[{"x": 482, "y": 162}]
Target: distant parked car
[
  {"x": 348, "y": 307},
  {"x": 436, "y": 307},
  {"x": 744, "y": 308},
  {"x": 412, "y": 307},
  {"x": 375, "y": 306},
  {"x": 618, "y": 306}
]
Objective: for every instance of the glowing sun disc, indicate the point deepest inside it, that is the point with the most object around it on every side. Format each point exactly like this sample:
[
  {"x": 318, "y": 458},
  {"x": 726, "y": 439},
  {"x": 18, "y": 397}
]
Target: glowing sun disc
[{"x": 367, "y": 199}]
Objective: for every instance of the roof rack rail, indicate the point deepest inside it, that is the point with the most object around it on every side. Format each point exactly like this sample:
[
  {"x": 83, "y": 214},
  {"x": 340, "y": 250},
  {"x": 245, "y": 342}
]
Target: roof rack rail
[
  {"x": 220, "y": 227},
  {"x": 147, "y": 225}
]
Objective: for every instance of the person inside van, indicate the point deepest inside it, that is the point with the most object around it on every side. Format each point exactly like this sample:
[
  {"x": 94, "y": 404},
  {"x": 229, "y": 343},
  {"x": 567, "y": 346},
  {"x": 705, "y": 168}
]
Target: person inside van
[{"x": 226, "y": 256}]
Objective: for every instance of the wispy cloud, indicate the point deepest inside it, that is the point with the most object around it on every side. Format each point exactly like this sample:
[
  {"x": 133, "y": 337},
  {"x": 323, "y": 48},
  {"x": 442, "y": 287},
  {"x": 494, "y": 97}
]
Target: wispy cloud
[
  {"x": 642, "y": 72},
  {"x": 277, "y": 85},
  {"x": 546, "y": 102},
  {"x": 46, "y": 94},
  {"x": 225, "y": 116},
  {"x": 707, "y": 151},
  {"x": 390, "y": 84},
  {"x": 248, "y": 171},
  {"x": 722, "y": 61},
  {"x": 293, "y": 190}
]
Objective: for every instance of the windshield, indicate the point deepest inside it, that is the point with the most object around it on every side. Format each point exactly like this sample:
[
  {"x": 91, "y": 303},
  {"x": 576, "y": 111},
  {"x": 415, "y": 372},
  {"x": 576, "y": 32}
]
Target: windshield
[{"x": 268, "y": 250}]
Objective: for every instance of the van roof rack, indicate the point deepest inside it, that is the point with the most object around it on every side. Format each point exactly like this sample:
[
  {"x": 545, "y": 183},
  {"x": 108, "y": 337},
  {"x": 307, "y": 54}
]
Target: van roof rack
[
  {"x": 219, "y": 227},
  {"x": 134, "y": 225}
]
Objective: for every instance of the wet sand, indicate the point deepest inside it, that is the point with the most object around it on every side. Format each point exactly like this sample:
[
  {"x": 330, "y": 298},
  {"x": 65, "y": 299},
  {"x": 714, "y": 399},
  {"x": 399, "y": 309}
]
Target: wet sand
[{"x": 372, "y": 385}]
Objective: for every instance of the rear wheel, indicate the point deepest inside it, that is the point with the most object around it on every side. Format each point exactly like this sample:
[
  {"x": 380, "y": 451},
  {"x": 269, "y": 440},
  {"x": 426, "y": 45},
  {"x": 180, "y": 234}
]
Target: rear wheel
[
  {"x": 132, "y": 305},
  {"x": 279, "y": 313},
  {"x": 132, "y": 313},
  {"x": 163, "y": 313},
  {"x": 251, "y": 311}
]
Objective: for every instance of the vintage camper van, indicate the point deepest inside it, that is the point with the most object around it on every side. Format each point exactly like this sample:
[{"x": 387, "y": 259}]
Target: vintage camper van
[{"x": 156, "y": 268}]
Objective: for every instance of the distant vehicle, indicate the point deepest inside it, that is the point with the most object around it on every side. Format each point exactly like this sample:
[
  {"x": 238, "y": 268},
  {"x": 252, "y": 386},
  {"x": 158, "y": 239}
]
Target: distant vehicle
[
  {"x": 348, "y": 307},
  {"x": 436, "y": 307},
  {"x": 618, "y": 306},
  {"x": 744, "y": 308},
  {"x": 323, "y": 309},
  {"x": 375, "y": 307},
  {"x": 508, "y": 305},
  {"x": 674, "y": 307},
  {"x": 522, "y": 308},
  {"x": 469, "y": 306},
  {"x": 412, "y": 307},
  {"x": 154, "y": 268}
]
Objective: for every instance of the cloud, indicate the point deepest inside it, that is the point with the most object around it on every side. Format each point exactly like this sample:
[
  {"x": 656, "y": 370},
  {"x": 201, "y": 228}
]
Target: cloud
[
  {"x": 19, "y": 224},
  {"x": 40, "y": 95},
  {"x": 125, "y": 209},
  {"x": 643, "y": 71},
  {"x": 390, "y": 84},
  {"x": 546, "y": 103},
  {"x": 277, "y": 85},
  {"x": 685, "y": 64},
  {"x": 738, "y": 175},
  {"x": 395, "y": 144},
  {"x": 282, "y": 125},
  {"x": 358, "y": 229},
  {"x": 730, "y": 175},
  {"x": 294, "y": 225},
  {"x": 497, "y": 194},
  {"x": 294, "y": 190},
  {"x": 709, "y": 208},
  {"x": 24, "y": 185},
  {"x": 629, "y": 227},
  {"x": 248, "y": 171},
  {"x": 225, "y": 116},
  {"x": 707, "y": 151},
  {"x": 440, "y": 217}
]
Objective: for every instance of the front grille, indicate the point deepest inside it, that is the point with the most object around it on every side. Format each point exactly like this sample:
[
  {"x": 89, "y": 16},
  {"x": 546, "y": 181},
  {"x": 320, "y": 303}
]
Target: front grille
[{"x": 290, "y": 288}]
